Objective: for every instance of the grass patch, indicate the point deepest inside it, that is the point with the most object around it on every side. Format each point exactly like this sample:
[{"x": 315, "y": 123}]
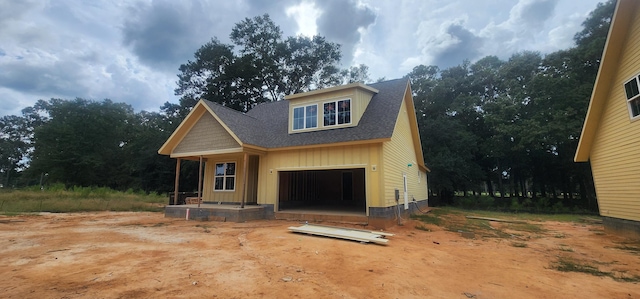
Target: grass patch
[
  {"x": 519, "y": 244},
  {"x": 526, "y": 227},
  {"x": 569, "y": 265},
  {"x": 455, "y": 220},
  {"x": 565, "y": 248},
  {"x": 77, "y": 199},
  {"x": 526, "y": 216},
  {"x": 430, "y": 219},
  {"x": 631, "y": 249},
  {"x": 423, "y": 228}
]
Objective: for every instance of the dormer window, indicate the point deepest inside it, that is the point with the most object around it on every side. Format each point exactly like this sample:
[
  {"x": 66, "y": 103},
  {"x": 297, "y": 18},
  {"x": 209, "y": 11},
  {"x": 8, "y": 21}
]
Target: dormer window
[
  {"x": 337, "y": 112},
  {"x": 305, "y": 117},
  {"x": 327, "y": 109}
]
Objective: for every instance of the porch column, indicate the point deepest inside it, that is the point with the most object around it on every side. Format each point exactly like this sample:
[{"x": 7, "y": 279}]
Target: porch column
[
  {"x": 200, "y": 182},
  {"x": 244, "y": 179},
  {"x": 177, "y": 182}
]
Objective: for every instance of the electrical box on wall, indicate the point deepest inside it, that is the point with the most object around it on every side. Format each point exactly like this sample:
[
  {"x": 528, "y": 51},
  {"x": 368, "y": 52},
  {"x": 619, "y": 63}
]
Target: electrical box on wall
[{"x": 397, "y": 192}]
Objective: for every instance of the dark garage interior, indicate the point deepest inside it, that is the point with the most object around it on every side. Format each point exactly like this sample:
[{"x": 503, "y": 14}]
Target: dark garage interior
[{"x": 330, "y": 190}]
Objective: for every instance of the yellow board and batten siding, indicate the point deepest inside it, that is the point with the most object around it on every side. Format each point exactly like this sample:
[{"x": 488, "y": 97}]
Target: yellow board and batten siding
[
  {"x": 615, "y": 154},
  {"x": 398, "y": 154},
  {"x": 208, "y": 194},
  {"x": 320, "y": 158}
]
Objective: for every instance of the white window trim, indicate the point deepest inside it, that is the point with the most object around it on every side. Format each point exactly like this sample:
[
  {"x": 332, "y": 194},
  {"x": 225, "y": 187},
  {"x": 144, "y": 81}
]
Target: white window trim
[
  {"x": 635, "y": 98},
  {"x": 304, "y": 117},
  {"x": 335, "y": 102},
  {"x": 224, "y": 177}
]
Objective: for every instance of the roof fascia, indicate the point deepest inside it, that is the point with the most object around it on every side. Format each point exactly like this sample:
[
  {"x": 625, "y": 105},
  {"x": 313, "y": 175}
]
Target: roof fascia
[
  {"x": 359, "y": 142},
  {"x": 175, "y": 137},
  {"x": 330, "y": 89},
  {"x": 181, "y": 131},
  {"x": 413, "y": 123},
  {"x": 208, "y": 153},
  {"x": 608, "y": 65}
]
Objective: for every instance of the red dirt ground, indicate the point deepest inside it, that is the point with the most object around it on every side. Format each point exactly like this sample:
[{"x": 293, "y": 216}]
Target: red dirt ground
[{"x": 144, "y": 255}]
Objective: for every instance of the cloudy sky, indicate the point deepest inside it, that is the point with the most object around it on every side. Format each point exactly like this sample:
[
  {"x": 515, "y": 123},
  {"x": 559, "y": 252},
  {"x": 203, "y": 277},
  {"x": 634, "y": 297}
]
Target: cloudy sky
[{"x": 130, "y": 50}]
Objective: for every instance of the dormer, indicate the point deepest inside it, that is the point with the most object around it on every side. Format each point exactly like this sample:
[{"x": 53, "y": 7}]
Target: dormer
[{"x": 329, "y": 108}]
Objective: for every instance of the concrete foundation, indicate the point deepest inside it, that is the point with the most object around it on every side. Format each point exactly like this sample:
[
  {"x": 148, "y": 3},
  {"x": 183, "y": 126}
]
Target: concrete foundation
[
  {"x": 378, "y": 217},
  {"x": 388, "y": 216},
  {"x": 622, "y": 227},
  {"x": 216, "y": 212}
]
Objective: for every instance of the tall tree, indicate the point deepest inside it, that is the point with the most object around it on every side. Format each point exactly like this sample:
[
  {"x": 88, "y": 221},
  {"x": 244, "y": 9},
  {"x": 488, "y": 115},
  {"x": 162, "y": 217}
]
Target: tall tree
[
  {"x": 83, "y": 142},
  {"x": 449, "y": 144},
  {"x": 354, "y": 74},
  {"x": 13, "y": 147},
  {"x": 265, "y": 67},
  {"x": 519, "y": 120},
  {"x": 16, "y": 144}
]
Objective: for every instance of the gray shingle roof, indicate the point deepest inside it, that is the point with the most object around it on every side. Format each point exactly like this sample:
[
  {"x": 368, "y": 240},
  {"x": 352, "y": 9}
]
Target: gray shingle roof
[{"x": 266, "y": 125}]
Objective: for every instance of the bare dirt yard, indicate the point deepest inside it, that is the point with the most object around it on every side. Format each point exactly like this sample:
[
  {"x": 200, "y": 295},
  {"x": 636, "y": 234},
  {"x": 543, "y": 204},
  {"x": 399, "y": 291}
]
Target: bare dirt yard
[{"x": 144, "y": 255}]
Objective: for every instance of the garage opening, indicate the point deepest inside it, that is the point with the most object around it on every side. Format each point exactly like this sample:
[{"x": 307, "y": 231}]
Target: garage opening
[{"x": 323, "y": 190}]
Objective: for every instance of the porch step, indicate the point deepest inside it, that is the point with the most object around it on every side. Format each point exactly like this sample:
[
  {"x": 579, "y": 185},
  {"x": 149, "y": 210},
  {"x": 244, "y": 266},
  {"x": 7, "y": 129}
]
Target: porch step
[{"x": 320, "y": 217}]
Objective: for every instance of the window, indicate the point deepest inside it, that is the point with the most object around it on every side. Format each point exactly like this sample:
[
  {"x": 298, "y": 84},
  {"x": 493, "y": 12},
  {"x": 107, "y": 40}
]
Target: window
[
  {"x": 633, "y": 97},
  {"x": 225, "y": 177},
  {"x": 338, "y": 112},
  {"x": 305, "y": 117}
]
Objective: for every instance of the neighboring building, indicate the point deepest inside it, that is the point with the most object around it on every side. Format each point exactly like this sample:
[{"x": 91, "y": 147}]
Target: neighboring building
[
  {"x": 346, "y": 149},
  {"x": 610, "y": 137}
]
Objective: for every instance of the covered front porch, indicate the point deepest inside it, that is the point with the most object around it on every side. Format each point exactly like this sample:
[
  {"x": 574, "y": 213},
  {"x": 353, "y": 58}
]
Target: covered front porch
[{"x": 227, "y": 186}]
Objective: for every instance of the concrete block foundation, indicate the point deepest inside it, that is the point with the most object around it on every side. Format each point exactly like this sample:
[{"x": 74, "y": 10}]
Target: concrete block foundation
[
  {"x": 378, "y": 217},
  {"x": 622, "y": 227}
]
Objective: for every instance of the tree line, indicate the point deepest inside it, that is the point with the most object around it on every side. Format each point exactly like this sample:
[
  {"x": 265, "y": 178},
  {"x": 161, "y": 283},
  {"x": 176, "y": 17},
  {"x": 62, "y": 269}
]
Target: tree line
[
  {"x": 512, "y": 127},
  {"x": 82, "y": 142},
  {"x": 504, "y": 127}
]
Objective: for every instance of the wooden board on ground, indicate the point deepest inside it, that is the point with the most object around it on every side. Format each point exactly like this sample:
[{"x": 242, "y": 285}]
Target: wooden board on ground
[{"x": 342, "y": 233}]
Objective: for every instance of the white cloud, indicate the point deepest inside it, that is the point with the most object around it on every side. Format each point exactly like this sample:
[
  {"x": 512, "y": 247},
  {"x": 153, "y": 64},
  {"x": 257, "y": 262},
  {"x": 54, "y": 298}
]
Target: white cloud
[
  {"x": 305, "y": 14},
  {"x": 129, "y": 50}
]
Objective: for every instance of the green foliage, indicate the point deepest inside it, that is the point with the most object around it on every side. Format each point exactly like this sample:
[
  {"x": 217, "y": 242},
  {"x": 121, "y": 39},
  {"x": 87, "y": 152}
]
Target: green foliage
[
  {"x": 512, "y": 126},
  {"x": 571, "y": 265},
  {"x": 509, "y": 215},
  {"x": 567, "y": 265},
  {"x": 15, "y": 144},
  {"x": 267, "y": 67},
  {"x": 87, "y": 143},
  {"x": 426, "y": 218},
  {"x": 82, "y": 142},
  {"x": 423, "y": 228},
  {"x": 78, "y": 199},
  {"x": 518, "y": 205}
]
